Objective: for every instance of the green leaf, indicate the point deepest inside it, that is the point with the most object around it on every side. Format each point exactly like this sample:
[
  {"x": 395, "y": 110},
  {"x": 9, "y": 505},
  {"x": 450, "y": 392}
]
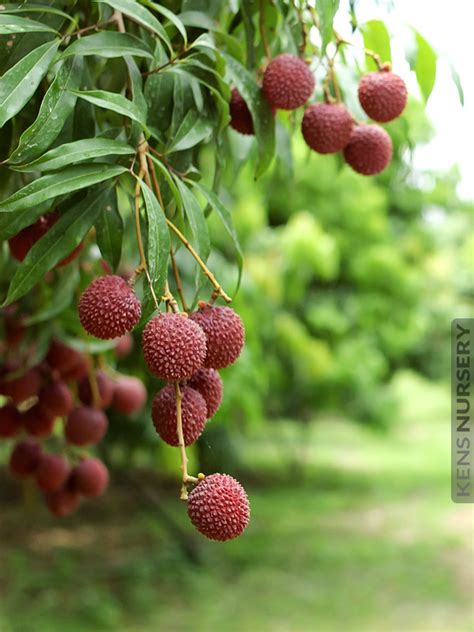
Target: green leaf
[
  {"x": 39, "y": 8},
  {"x": 57, "y": 243},
  {"x": 63, "y": 297},
  {"x": 137, "y": 87},
  {"x": 53, "y": 185},
  {"x": 14, "y": 24},
  {"x": 376, "y": 39},
  {"x": 263, "y": 121},
  {"x": 326, "y": 9},
  {"x": 77, "y": 151},
  {"x": 457, "y": 82},
  {"x": 196, "y": 219},
  {"x": 56, "y": 106},
  {"x": 19, "y": 83},
  {"x": 109, "y": 230},
  {"x": 425, "y": 66},
  {"x": 169, "y": 15},
  {"x": 193, "y": 130},
  {"x": 113, "y": 101},
  {"x": 109, "y": 44},
  {"x": 12, "y": 223}
]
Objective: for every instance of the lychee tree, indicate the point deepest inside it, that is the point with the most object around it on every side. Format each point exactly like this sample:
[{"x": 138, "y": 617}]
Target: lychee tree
[{"x": 116, "y": 128}]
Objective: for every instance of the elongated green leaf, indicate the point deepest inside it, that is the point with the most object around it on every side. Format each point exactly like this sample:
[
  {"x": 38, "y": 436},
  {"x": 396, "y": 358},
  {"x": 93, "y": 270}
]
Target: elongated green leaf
[
  {"x": 326, "y": 9},
  {"x": 263, "y": 121},
  {"x": 19, "y": 83},
  {"x": 63, "y": 297},
  {"x": 109, "y": 230},
  {"x": 193, "y": 130},
  {"x": 12, "y": 223},
  {"x": 53, "y": 185},
  {"x": 196, "y": 219},
  {"x": 57, "y": 243},
  {"x": 15, "y": 24},
  {"x": 169, "y": 15},
  {"x": 109, "y": 44},
  {"x": 57, "y": 104},
  {"x": 425, "y": 66},
  {"x": 112, "y": 101},
  {"x": 137, "y": 87},
  {"x": 171, "y": 183},
  {"x": 38, "y": 8},
  {"x": 376, "y": 39},
  {"x": 77, "y": 151}
]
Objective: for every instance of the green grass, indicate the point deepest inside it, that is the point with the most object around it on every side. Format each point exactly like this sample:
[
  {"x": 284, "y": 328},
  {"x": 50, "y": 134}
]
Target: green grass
[{"x": 356, "y": 532}]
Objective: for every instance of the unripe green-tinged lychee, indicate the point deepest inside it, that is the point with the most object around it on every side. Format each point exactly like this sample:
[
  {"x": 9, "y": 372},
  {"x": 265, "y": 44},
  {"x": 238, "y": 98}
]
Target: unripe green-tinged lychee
[
  {"x": 21, "y": 388},
  {"x": 56, "y": 399},
  {"x": 63, "y": 502},
  {"x": 10, "y": 421},
  {"x": 174, "y": 346},
  {"x": 219, "y": 508},
  {"x": 193, "y": 412},
  {"x": 224, "y": 332},
  {"x": 52, "y": 473},
  {"x": 67, "y": 361},
  {"x": 25, "y": 458},
  {"x": 327, "y": 127},
  {"x": 130, "y": 394},
  {"x": 85, "y": 426},
  {"x": 382, "y": 95},
  {"x": 288, "y": 82},
  {"x": 109, "y": 307},
  {"x": 105, "y": 388},
  {"x": 37, "y": 422},
  {"x": 208, "y": 382},
  {"x": 369, "y": 149},
  {"x": 90, "y": 477}
]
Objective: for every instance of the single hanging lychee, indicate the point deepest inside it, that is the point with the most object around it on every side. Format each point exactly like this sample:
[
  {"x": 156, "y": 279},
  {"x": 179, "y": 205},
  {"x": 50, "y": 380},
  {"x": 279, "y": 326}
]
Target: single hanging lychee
[
  {"x": 225, "y": 334},
  {"x": 369, "y": 149},
  {"x": 130, "y": 394},
  {"x": 105, "y": 390},
  {"x": 208, "y": 382},
  {"x": 85, "y": 426},
  {"x": 288, "y": 82},
  {"x": 193, "y": 412},
  {"x": 382, "y": 95},
  {"x": 240, "y": 115},
  {"x": 327, "y": 127},
  {"x": 53, "y": 471},
  {"x": 10, "y": 421},
  {"x": 25, "y": 458},
  {"x": 90, "y": 477}
]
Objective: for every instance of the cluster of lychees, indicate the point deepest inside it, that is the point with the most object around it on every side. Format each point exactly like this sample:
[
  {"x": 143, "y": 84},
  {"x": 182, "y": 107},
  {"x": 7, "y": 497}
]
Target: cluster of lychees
[
  {"x": 185, "y": 351},
  {"x": 328, "y": 127}
]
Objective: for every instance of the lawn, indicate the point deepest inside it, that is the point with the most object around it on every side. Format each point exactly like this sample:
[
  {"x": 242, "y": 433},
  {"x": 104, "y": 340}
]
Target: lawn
[{"x": 352, "y": 530}]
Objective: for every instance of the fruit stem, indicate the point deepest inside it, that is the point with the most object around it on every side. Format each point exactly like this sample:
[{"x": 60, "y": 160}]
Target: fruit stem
[
  {"x": 304, "y": 30},
  {"x": 263, "y": 34},
  {"x": 91, "y": 376},
  {"x": 184, "y": 459}
]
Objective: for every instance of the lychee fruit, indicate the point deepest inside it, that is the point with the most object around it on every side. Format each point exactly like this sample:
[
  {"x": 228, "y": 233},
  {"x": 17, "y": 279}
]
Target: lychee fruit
[
  {"x": 63, "y": 502},
  {"x": 327, "y": 127},
  {"x": 109, "y": 307},
  {"x": 288, "y": 82},
  {"x": 21, "y": 388},
  {"x": 224, "y": 332},
  {"x": 219, "y": 508},
  {"x": 240, "y": 116},
  {"x": 10, "y": 421},
  {"x": 369, "y": 149},
  {"x": 90, "y": 477},
  {"x": 382, "y": 95},
  {"x": 208, "y": 382},
  {"x": 174, "y": 346},
  {"x": 124, "y": 346},
  {"x": 67, "y": 361},
  {"x": 193, "y": 412},
  {"x": 25, "y": 458},
  {"x": 38, "y": 422},
  {"x": 130, "y": 395},
  {"x": 53, "y": 471},
  {"x": 56, "y": 399},
  {"x": 105, "y": 387},
  {"x": 85, "y": 426}
]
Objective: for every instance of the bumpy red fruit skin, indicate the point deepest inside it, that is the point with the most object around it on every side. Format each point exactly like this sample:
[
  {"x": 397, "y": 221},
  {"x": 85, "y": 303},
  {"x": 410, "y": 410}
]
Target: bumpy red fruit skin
[
  {"x": 174, "y": 347},
  {"x": 219, "y": 508},
  {"x": 90, "y": 477},
  {"x": 66, "y": 360},
  {"x": 56, "y": 399},
  {"x": 37, "y": 422},
  {"x": 369, "y": 150},
  {"x": 288, "y": 82},
  {"x": 53, "y": 471},
  {"x": 382, "y": 95},
  {"x": 10, "y": 421},
  {"x": 85, "y": 426},
  {"x": 109, "y": 308},
  {"x": 240, "y": 117},
  {"x": 193, "y": 411},
  {"x": 25, "y": 458},
  {"x": 326, "y": 127},
  {"x": 21, "y": 388},
  {"x": 63, "y": 502},
  {"x": 208, "y": 382},
  {"x": 105, "y": 386},
  {"x": 130, "y": 395},
  {"x": 225, "y": 335}
]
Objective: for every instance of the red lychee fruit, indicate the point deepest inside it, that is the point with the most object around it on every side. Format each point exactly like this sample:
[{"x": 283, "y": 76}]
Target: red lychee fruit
[
  {"x": 193, "y": 412},
  {"x": 37, "y": 422},
  {"x": 10, "y": 421},
  {"x": 327, "y": 127},
  {"x": 288, "y": 82},
  {"x": 225, "y": 334},
  {"x": 85, "y": 426},
  {"x": 52, "y": 473},
  {"x": 56, "y": 399},
  {"x": 382, "y": 95},
  {"x": 69, "y": 362},
  {"x": 105, "y": 387},
  {"x": 174, "y": 346},
  {"x": 240, "y": 116},
  {"x": 25, "y": 458},
  {"x": 369, "y": 149},
  {"x": 109, "y": 307},
  {"x": 90, "y": 477},
  {"x": 130, "y": 395},
  {"x": 219, "y": 508},
  {"x": 208, "y": 382},
  {"x": 21, "y": 388},
  {"x": 14, "y": 329},
  {"x": 63, "y": 502},
  {"x": 124, "y": 346}
]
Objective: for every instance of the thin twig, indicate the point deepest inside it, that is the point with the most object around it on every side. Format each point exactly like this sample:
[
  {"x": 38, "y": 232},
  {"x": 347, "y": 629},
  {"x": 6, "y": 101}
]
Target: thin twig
[
  {"x": 263, "y": 34},
  {"x": 184, "y": 459}
]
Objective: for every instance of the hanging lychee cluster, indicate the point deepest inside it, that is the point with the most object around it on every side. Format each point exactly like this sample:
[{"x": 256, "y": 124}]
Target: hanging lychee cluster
[{"x": 327, "y": 126}]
